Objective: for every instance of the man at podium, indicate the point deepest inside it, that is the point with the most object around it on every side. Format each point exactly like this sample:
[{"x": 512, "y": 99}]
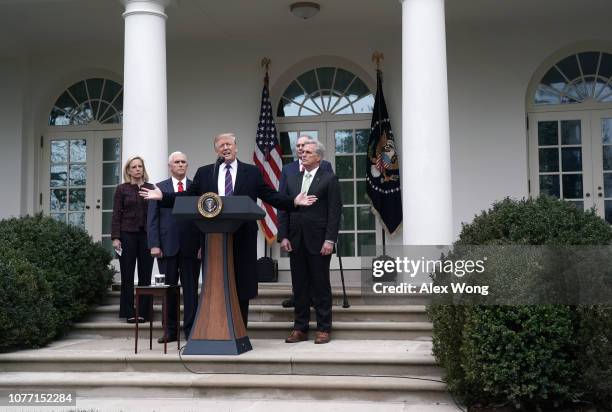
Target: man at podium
[{"x": 230, "y": 177}]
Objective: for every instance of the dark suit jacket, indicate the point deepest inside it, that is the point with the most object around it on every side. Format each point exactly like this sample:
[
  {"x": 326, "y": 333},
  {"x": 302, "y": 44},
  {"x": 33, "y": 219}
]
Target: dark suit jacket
[
  {"x": 317, "y": 223},
  {"x": 292, "y": 169},
  {"x": 166, "y": 233},
  {"x": 249, "y": 182}
]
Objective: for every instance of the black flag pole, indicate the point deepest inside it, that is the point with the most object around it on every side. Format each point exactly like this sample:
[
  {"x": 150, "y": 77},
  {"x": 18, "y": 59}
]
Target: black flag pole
[{"x": 377, "y": 57}]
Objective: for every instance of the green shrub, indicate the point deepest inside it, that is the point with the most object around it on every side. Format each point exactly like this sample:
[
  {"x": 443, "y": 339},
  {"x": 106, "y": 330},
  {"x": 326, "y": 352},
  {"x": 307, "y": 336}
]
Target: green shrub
[
  {"x": 27, "y": 316},
  {"x": 527, "y": 356},
  {"x": 76, "y": 268}
]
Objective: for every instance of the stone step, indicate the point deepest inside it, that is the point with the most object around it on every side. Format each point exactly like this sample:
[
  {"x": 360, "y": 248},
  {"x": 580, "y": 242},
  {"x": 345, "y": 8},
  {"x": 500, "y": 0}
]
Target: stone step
[
  {"x": 276, "y": 313},
  {"x": 272, "y": 357},
  {"x": 272, "y": 330},
  {"x": 271, "y": 295},
  {"x": 237, "y": 386}
]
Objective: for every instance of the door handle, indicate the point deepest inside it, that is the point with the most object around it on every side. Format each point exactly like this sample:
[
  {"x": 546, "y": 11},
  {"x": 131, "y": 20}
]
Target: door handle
[
  {"x": 588, "y": 195},
  {"x": 87, "y": 207},
  {"x": 600, "y": 194},
  {"x": 97, "y": 206}
]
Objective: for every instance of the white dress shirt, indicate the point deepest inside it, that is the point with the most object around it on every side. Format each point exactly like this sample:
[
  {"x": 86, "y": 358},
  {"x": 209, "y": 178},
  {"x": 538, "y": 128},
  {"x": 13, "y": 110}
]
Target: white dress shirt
[
  {"x": 175, "y": 183},
  {"x": 221, "y": 178}
]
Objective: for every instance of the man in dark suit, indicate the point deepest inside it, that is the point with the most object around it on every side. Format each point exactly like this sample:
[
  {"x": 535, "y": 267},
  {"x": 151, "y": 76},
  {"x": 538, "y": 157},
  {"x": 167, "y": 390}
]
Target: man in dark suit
[
  {"x": 313, "y": 232},
  {"x": 175, "y": 245},
  {"x": 292, "y": 169},
  {"x": 230, "y": 177}
]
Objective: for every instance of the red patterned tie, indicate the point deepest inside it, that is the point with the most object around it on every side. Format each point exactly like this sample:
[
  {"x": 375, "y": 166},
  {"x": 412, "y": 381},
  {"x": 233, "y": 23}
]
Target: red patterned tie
[{"x": 180, "y": 186}]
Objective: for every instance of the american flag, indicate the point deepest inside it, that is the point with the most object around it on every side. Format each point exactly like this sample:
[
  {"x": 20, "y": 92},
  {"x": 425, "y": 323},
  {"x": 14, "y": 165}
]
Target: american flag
[{"x": 267, "y": 157}]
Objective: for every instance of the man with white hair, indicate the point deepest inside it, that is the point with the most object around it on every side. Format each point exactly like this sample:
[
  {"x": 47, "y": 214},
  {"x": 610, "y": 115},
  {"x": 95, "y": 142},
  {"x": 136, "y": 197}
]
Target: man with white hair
[
  {"x": 175, "y": 245},
  {"x": 293, "y": 169}
]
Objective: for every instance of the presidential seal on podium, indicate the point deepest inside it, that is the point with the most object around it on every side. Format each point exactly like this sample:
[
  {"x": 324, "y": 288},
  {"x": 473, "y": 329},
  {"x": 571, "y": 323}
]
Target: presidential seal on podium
[{"x": 210, "y": 205}]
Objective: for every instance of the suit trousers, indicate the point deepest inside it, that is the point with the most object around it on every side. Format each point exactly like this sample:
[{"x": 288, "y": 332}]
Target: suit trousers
[
  {"x": 187, "y": 269},
  {"x": 134, "y": 245},
  {"x": 310, "y": 276}
]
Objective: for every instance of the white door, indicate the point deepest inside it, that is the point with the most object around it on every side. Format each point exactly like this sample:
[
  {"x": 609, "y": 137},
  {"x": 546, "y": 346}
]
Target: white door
[
  {"x": 601, "y": 131},
  {"x": 81, "y": 171},
  {"x": 359, "y": 229},
  {"x": 562, "y": 156}
]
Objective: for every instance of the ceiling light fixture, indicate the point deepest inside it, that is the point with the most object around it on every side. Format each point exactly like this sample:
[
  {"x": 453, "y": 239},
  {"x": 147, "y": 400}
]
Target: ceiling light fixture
[{"x": 304, "y": 9}]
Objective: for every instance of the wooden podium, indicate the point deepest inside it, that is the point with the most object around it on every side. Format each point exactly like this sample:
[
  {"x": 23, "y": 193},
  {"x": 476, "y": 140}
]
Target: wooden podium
[{"x": 218, "y": 328}]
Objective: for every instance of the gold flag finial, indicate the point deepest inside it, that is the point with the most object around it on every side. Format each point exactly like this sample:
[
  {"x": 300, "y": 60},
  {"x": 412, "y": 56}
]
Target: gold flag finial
[
  {"x": 377, "y": 57},
  {"x": 265, "y": 63}
]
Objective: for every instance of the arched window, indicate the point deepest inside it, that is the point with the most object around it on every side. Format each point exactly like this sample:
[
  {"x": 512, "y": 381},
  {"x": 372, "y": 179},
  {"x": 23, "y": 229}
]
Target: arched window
[
  {"x": 325, "y": 90},
  {"x": 577, "y": 78},
  {"x": 91, "y": 99}
]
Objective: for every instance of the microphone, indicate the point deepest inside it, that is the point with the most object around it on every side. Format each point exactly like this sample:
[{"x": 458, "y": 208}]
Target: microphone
[{"x": 220, "y": 160}]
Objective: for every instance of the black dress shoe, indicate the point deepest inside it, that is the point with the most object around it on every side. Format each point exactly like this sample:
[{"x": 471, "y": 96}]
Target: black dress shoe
[
  {"x": 133, "y": 320},
  {"x": 288, "y": 303},
  {"x": 171, "y": 338}
]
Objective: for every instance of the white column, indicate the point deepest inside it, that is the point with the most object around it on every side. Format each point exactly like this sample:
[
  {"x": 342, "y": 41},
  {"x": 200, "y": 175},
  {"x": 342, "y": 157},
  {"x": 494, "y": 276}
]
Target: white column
[
  {"x": 145, "y": 107},
  {"x": 426, "y": 172}
]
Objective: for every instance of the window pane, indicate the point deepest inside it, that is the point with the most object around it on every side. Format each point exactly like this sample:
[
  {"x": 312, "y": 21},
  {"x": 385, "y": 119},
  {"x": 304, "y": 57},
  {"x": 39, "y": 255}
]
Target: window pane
[
  {"x": 59, "y": 216},
  {"x": 78, "y": 91},
  {"x": 78, "y": 175},
  {"x": 361, "y": 140},
  {"x": 365, "y": 243},
  {"x": 95, "y": 87},
  {"x": 108, "y": 194},
  {"x": 358, "y": 89},
  {"x": 607, "y": 184},
  {"x": 308, "y": 81},
  {"x": 365, "y": 218},
  {"x": 607, "y": 157},
  {"x": 347, "y": 220},
  {"x": 588, "y": 62},
  {"x": 344, "y": 167},
  {"x": 107, "y": 218},
  {"x": 547, "y": 133},
  {"x": 606, "y": 131},
  {"x": 58, "y": 176},
  {"x": 77, "y": 219},
  {"x": 58, "y": 117},
  {"x": 346, "y": 244},
  {"x": 58, "y": 200},
  {"x": 570, "y": 132},
  {"x": 111, "y": 173},
  {"x": 569, "y": 67},
  {"x": 608, "y": 213},
  {"x": 59, "y": 151},
  {"x": 77, "y": 199},
  {"x": 293, "y": 92},
  {"x": 549, "y": 160},
  {"x": 362, "y": 194},
  {"x": 343, "y": 79},
  {"x": 364, "y": 105},
  {"x": 65, "y": 102},
  {"x": 571, "y": 159},
  {"x": 111, "y": 89},
  {"x": 326, "y": 75},
  {"x": 360, "y": 166},
  {"x": 344, "y": 141},
  {"x": 111, "y": 149},
  {"x": 347, "y": 193},
  {"x": 550, "y": 185},
  {"x": 78, "y": 150},
  {"x": 572, "y": 186}
]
